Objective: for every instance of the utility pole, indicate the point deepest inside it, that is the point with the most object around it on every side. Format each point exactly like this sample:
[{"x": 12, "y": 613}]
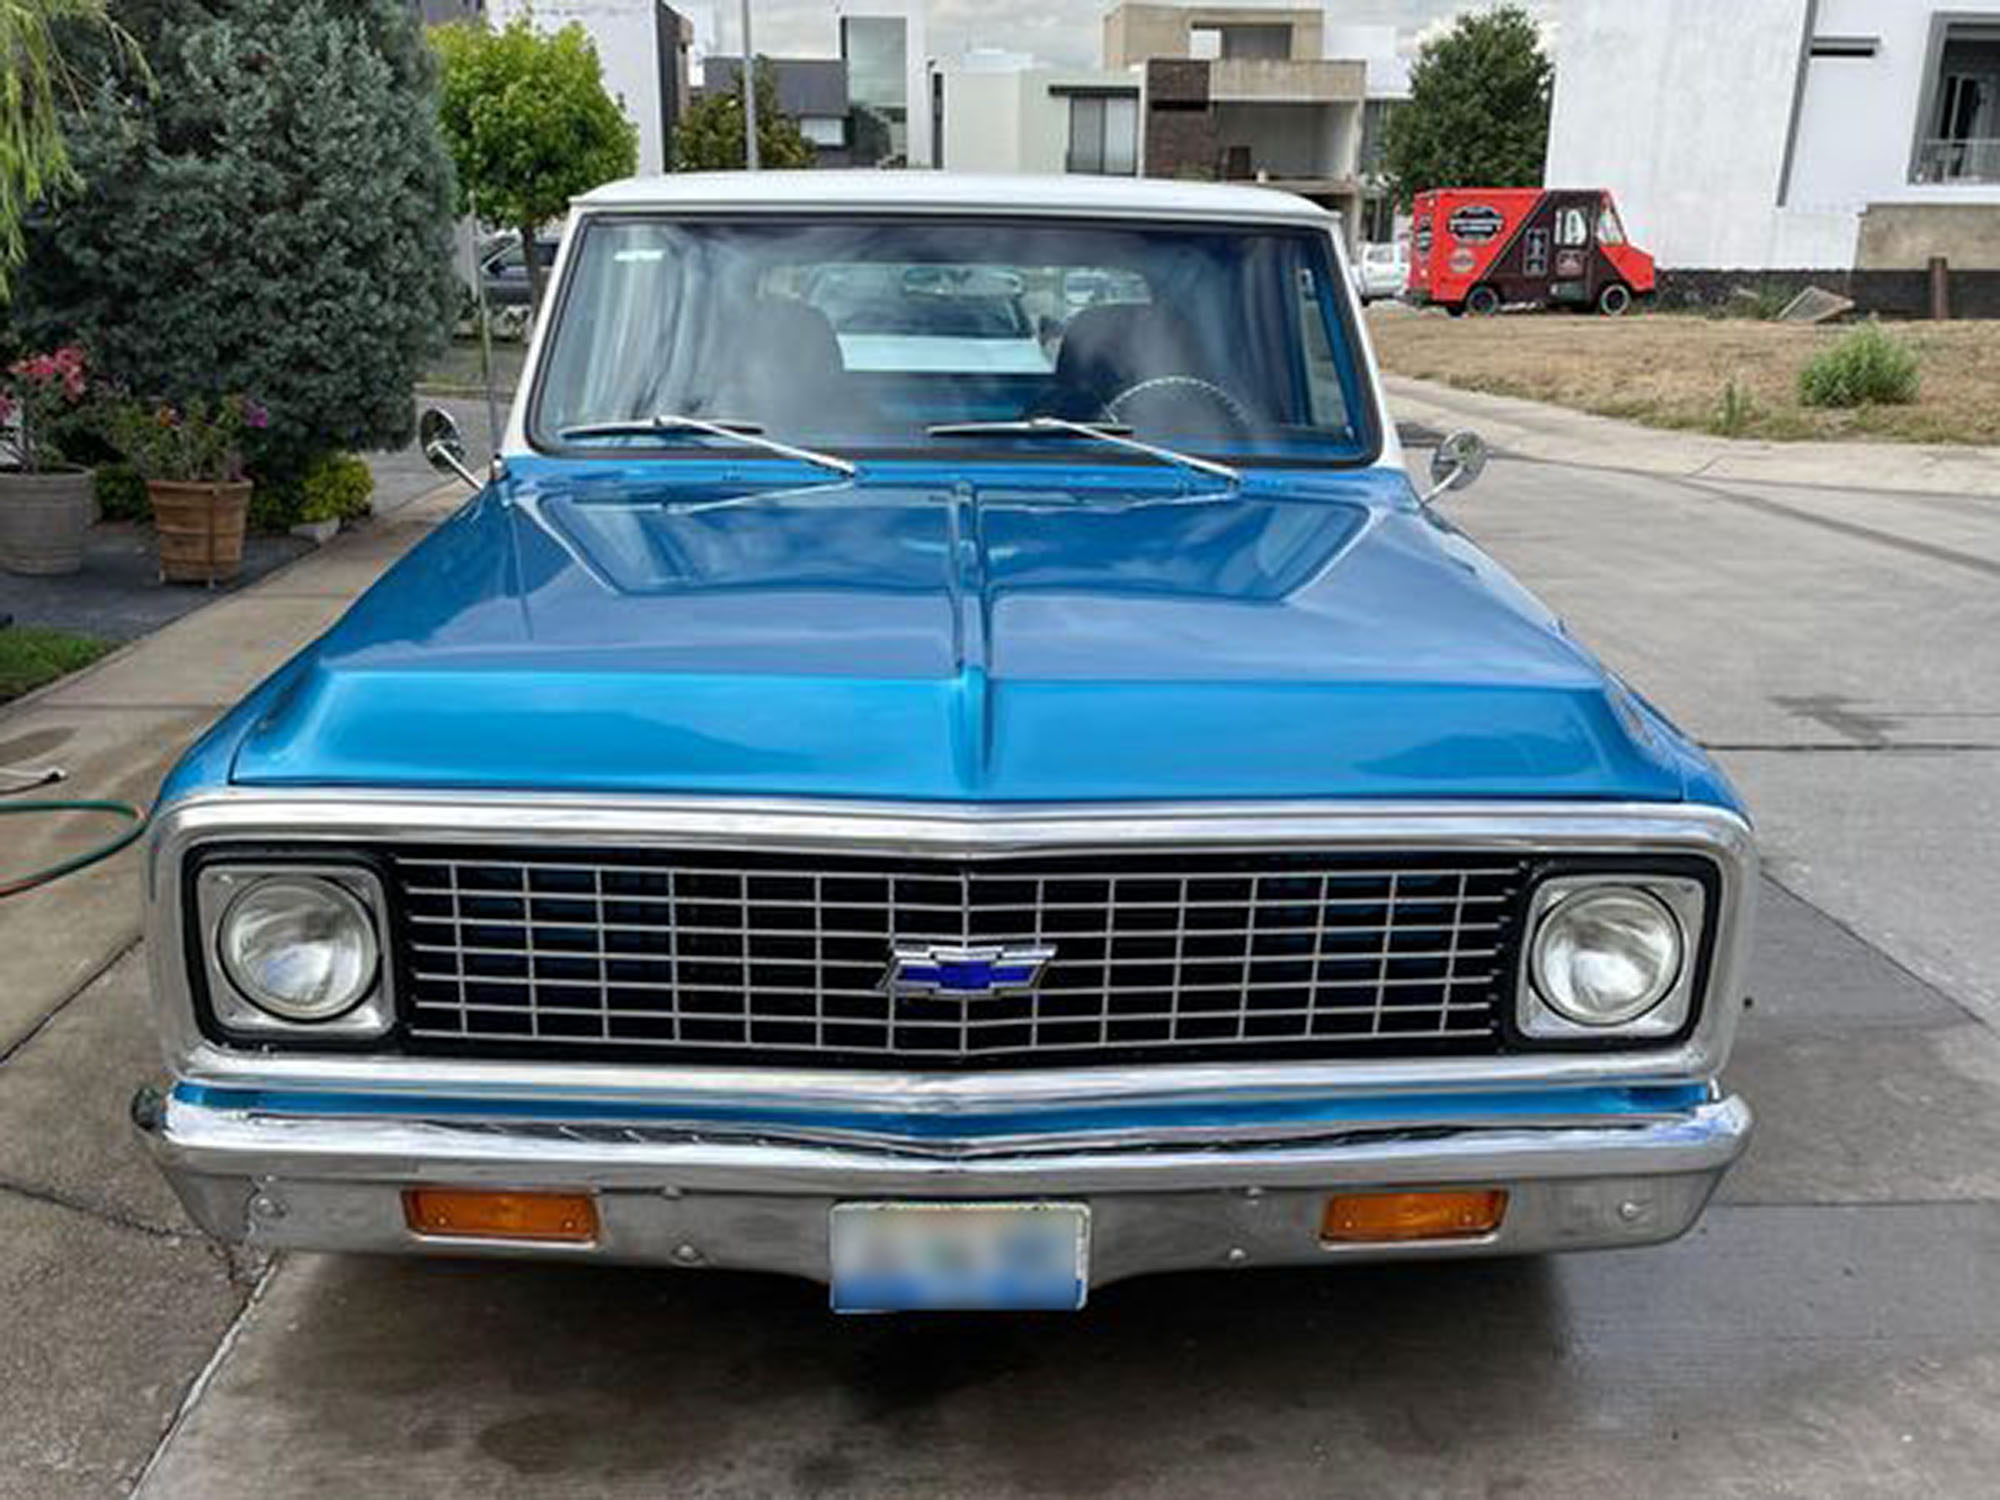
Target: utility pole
[{"x": 749, "y": 80}]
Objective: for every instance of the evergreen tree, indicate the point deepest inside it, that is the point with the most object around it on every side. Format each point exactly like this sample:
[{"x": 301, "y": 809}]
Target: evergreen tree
[{"x": 1478, "y": 111}]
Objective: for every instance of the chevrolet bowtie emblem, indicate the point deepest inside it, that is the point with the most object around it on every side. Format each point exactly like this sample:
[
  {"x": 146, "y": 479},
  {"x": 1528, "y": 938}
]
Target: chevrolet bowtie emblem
[{"x": 961, "y": 972}]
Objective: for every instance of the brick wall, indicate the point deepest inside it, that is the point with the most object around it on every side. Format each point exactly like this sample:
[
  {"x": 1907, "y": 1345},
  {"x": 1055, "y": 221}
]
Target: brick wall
[{"x": 1180, "y": 123}]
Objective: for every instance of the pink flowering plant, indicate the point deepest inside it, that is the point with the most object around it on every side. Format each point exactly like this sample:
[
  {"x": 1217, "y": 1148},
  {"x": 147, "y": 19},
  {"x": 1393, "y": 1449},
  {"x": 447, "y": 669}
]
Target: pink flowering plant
[
  {"x": 41, "y": 396},
  {"x": 194, "y": 442}
]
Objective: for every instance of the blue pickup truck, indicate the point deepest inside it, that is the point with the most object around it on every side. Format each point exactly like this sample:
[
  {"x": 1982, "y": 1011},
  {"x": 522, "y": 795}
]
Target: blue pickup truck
[{"x": 947, "y": 756}]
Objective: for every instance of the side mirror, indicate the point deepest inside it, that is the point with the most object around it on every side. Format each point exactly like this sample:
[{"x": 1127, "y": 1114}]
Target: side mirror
[
  {"x": 1457, "y": 462},
  {"x": 442, "y": 444}
]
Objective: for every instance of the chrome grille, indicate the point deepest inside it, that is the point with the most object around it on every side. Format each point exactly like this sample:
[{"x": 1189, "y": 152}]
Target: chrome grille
[{"x": 785, "y": 958}]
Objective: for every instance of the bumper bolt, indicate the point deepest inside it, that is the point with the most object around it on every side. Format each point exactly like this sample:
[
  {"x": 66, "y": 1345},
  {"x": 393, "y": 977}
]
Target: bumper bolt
[
  {"x": 1237, "y": 1255},
  {"x": 267, "y": 1206},
  {"x": 687, "y": 1255}
]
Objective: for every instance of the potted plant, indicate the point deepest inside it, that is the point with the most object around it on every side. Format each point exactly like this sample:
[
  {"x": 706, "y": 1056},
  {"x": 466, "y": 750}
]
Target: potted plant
[
  {"x": 45, "y": 504},
  {"x": 191, "y": 457}
]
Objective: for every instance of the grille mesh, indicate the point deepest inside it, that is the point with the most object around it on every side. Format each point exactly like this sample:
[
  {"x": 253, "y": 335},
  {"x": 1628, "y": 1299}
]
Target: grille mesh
[{"x": 784, "y": 958}]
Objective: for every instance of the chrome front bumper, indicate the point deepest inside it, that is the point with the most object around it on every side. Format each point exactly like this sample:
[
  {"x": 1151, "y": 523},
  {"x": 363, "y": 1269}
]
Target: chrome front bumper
[{"x": 694, "y": 1196}]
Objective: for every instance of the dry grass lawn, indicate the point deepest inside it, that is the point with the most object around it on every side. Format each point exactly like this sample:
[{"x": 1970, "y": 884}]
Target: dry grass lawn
[{"x": 1672, "y": 371}]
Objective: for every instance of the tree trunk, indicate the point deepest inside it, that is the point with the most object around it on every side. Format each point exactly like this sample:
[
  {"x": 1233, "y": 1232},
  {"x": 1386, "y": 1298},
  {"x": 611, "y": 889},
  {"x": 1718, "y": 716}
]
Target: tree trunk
[{"x": 532, "y": 256}]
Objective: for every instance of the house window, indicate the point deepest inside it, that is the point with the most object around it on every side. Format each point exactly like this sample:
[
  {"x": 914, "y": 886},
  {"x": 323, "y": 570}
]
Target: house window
[
  {"x": 1959, "y": 130},
  {"x": 1104, "y": 134},
  {"x": 824, "y": 131}
]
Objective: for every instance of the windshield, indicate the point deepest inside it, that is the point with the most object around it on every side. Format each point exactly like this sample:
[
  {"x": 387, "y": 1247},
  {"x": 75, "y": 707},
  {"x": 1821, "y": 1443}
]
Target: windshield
[{"x": 864, "y": 334}]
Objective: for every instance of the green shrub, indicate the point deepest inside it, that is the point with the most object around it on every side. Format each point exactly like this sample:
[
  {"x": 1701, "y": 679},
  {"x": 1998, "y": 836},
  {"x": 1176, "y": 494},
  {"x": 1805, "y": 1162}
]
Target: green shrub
[
  {"x": 1865, "y": 368},
  {"x": 1734, "y": 412},
  {"x": 331, "y": 487},
  {"x": 273, "y": 217},
  {"x": 336, "y": 488},
  {"x": 121, "y": 493}
]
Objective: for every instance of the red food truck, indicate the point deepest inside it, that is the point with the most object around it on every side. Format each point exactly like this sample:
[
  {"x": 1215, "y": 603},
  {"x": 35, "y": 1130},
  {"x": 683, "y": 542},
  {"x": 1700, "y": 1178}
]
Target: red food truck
[{"x": 1479, "y": 249}]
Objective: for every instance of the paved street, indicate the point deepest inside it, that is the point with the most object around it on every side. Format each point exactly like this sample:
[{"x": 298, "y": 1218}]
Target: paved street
[{"x": 1832, "y": 1330}]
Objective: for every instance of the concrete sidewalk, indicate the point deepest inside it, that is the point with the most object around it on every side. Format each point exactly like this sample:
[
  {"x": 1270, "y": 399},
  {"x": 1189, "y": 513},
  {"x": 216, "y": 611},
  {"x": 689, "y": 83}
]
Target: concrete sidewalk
[
  {"x": 112, "y": 1303},
  {"x": 1554, "y": 434}
]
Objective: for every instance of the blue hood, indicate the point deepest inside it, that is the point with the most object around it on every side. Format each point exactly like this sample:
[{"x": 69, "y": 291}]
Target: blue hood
[{"x": 1037, "y": 635}]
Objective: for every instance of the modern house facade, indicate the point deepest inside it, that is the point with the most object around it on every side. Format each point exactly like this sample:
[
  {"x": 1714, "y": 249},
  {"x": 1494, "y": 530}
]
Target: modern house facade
[
  {"x": 1244, "y": 94},
  {"x": 999, "y": 112},
  {"x": 1861, "y": 139},
  {"x": 886, "y": 51}
]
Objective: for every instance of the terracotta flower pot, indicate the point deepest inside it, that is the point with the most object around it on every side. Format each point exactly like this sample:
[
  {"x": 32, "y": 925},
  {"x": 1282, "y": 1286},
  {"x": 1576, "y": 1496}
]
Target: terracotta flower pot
[
  {"x": 199, "y": 528},
  {"x": 43, "y": 519}
]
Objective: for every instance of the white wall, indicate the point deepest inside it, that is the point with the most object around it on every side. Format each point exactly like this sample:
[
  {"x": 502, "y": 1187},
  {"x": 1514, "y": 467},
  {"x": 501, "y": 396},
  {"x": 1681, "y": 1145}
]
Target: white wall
[
  {"x": 1680, "y": 108},
  {"x": 1683, "y": 107},
  {"x": 623, "y": 31},
  {"x": 982, "y": 122}
]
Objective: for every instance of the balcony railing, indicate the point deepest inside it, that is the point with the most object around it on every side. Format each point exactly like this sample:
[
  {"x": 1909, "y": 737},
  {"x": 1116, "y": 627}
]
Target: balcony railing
[{"x": 1967, "y": 160}]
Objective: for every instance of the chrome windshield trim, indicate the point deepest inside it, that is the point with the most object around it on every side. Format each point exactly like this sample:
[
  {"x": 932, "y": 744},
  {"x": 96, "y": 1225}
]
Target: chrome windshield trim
[{"x": 306, "y": 818}]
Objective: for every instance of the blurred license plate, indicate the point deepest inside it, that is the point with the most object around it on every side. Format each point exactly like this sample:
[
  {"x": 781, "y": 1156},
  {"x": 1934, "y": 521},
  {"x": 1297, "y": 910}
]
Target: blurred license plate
[{"x": 905, "y": 1257}]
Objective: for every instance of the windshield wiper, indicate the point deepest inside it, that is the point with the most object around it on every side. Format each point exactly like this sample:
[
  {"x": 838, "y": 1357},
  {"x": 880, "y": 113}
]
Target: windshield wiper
[
  {"x": 1117, "y": 434},
  {"x": 749, "y": 434}
]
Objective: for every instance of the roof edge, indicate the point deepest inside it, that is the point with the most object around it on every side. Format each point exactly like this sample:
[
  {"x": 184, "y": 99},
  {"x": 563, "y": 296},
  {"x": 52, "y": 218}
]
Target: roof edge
[{"x": 925, "y": 191}]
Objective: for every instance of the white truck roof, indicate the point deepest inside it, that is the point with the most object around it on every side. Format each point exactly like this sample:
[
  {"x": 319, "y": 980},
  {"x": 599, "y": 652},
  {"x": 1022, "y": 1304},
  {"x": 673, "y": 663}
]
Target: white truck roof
[{"x": 919, "y": 191}]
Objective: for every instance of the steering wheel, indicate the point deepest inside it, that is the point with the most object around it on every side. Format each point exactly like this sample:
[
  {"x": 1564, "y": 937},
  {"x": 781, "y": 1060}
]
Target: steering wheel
[{"x": 1237, "y": 414}]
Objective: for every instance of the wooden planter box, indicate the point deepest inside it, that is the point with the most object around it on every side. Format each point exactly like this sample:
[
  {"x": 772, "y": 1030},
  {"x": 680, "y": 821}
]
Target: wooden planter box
[{"x": 199, "y": 529}]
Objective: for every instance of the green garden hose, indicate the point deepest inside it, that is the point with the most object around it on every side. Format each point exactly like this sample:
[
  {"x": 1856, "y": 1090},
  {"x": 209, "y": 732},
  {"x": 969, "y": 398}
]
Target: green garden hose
[{"x": 124, "y": 811}]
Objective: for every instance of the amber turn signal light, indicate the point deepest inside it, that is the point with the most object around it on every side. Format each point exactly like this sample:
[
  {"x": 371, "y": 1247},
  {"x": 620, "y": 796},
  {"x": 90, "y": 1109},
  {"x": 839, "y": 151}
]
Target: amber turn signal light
[
  {"x": 460, "y": 1213},
  {"x": 1390, "y": 1218}
]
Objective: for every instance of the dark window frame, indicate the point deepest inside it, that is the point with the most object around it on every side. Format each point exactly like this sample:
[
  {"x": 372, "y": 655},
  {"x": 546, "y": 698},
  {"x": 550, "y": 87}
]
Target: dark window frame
[
  {"x": 1929, "y": 100},
  {"x": 1101, "y": 100}
]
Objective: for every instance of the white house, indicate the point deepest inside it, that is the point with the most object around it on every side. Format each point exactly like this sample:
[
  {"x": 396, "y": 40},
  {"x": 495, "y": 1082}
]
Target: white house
[
  {"x": 1847, "y": 135},
  {"x": 1001, "y": 112}
]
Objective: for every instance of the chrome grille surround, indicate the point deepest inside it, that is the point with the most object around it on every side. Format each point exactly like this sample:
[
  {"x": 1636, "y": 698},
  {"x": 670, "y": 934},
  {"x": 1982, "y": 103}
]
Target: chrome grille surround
[
  {"x": 690, "y": 955},
  {"x": 323, "y": 821}
]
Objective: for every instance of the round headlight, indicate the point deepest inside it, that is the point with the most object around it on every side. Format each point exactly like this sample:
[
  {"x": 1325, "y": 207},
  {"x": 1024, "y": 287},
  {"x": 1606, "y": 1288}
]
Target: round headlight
[
  {"x": 299, "y": 947},
  {"x": 1606, "y": 956}
]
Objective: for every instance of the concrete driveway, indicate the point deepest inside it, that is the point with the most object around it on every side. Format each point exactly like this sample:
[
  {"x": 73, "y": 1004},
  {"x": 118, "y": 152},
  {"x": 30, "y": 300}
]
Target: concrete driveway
[{"x": 1833, "y": 1329}]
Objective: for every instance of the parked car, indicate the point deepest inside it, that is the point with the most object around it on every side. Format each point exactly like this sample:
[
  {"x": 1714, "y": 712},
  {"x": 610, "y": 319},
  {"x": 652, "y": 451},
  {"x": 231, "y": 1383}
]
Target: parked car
[
  {"x": 1477, "y": 250},
  {"x": 962, "y": 835},
  {"x": 504, "y": 269},
  {"x": 1380, "y": 272}
]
